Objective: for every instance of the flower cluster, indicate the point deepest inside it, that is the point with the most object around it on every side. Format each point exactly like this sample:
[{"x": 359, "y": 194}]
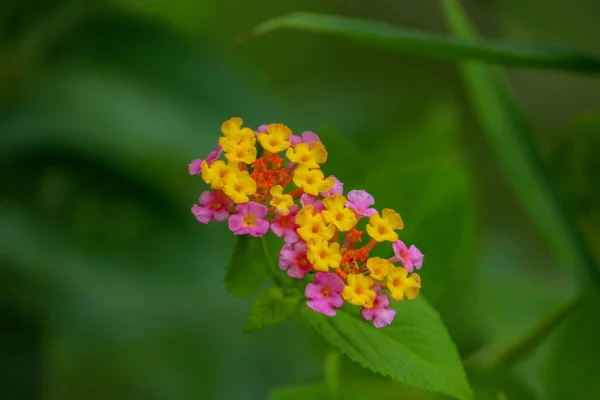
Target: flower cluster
[{"x": 271, "y": 179}]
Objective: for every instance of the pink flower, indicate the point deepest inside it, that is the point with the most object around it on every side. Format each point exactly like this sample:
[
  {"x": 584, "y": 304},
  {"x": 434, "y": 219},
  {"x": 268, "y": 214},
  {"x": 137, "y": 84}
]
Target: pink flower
[
  {"x": 195, "y": 167},
  {"x": 410, "y": 257},
  {"x": 309, "y": 199},
  {"x": 379, "y": 314},
  {"x": 338, "y": 188},
  {"x": 262, "y": 128},
  {"x": 249, "y": 220},
  {"x": 213, "y": 205},
  {"x": 325, "y": 293},
  {"x": 360, "y": 201},
  {"x": 307, "y": 137},
  {"x": 293, "y": 259},
  {"x": 285, "y": 225}
]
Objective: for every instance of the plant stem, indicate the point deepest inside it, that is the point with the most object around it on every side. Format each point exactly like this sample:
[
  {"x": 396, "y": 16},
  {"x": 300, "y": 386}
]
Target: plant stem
[
  {"x": 332, "y": 372},
  {"x": 523, "y": 347},
  {"x": 271, "y": 267}
]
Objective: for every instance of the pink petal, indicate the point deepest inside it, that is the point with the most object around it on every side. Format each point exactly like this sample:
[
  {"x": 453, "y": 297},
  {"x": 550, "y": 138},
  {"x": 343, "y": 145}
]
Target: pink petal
[
  {"x": 313, "y": 291},
  {"x": 297, "y": 272},
  {"x": 206, "y": 197},
  {"x": 382, "y": 300},
  {"x": 235, "y": 224},
  {"x": 399, "y": 247},
  {"x": 367, "y": 314},
  {"x": 310, "y": 137},
  {"x": 322, "y": 307},
  {"x": 243, "y": 209},
  {"x": 263, "y": 128},
  {"x": 277, "y": 229},
  {"x": 361, "y": 198},
  {"x": 287, "y": 256},
  {"x": 336, "y": 300},
  {"x": 291, "y": 236},
  {"x": 195, "y": 167},
  {"x": 416, "y": 256},
  {"x": 202, "y": 214},
  {"x": 383, "y": 318},
  {"x": 295, "y": 139},
  {"x": 260, "y": 228},
  {"x": 213, "y": 155},
  {"x": 331, "y": 280},
  {"x": 258, "y": 210},
  {"x": 220, "y": 215}
]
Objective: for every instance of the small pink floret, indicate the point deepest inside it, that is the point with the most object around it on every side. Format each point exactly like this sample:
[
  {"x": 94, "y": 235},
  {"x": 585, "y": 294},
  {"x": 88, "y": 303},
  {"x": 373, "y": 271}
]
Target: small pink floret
[
  {"x": 285, "y": 225},
  {"x": 325, "y": 294},
  {"x": 293, "y": 259},
  {"x": 249, "y": 220},
  {"x": 411, "y": 257},
  {"x": 212, "y": 205},
  {"x": 379, "y": 314},
  {"x": 360, "y": 202}
]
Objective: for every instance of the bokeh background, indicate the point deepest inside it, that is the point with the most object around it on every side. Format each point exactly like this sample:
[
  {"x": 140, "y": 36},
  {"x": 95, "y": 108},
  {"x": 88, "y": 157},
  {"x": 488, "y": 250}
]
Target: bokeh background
[{"x": 110, "y": 289}]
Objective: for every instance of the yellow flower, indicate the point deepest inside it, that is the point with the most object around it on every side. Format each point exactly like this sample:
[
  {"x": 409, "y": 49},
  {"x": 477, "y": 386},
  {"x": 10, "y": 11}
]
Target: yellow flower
[
  {"x": 379, "y": 267},
  {"x": 310, "y": 156},
  {"x": 382, "y": 228},
  {"x": 239, "y": 186},
  {"x": 312, "y": 181},
  {"x": 312, "y": 225},
  {"x": 400, "y": 284},
  {"x": 281, "y": 202},
  {"x": 276, "y": 139},
  {"x": 215, "y": 174},
  {"x": 336, "y": 212},
  {"x": 322, "y": 254},
  {"x": 232, "y": 129},
  {"x": 244, "y": 151},
  {"x": 358, "y": 291}
]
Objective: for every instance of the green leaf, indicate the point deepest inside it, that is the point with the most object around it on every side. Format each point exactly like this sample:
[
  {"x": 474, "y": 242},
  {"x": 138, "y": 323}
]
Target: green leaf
[
  {"x": 246, "y": 270},
  {"x": 498, "y": 384},
  {"x": 511, "y": 138},
  {"x": 313, "y": 392},
  {"x": 572, "y": 371},
  {"x": 436, "y": 46},
  {"x": 415, "y": 350},
  {"x": 271, "y": 307}
]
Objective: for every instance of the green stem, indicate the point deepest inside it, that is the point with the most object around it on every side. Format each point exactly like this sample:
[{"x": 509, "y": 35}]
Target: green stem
[
  {"x": 522, "y": 348},
  {"x": 332, "y": 372},
  {"x": 274, "y": 272}
]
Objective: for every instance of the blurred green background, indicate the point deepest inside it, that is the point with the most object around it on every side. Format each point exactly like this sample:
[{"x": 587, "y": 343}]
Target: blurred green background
[{"x": 110, "y": 289}]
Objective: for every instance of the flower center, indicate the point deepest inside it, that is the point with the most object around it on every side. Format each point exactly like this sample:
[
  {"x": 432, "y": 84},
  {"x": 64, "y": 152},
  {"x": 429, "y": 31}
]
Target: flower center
[
  {"x": 381, "y": 229},
  {"x": 216, "y": 206},
  {"x": 339, "y": 216},
  {"x": 325, "y": 292},
  {"x": 249, "y": 220}
]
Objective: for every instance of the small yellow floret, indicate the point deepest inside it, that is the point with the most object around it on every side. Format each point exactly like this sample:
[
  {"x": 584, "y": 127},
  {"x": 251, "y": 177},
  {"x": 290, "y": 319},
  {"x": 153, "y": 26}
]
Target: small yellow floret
[
  {"x": 336, "y": 212},
  {"x": 215, "y": 174},
  {"x": 322, "y": 254},
  {"x": 276, "y": 138},
  {"x": 232, "y": 129},
  {"x": 312, "y": 225},
  {"x": 239, "y": 186},
  {"x": 382, "y": 228},
  {"x": 281, "y": 202},
  {"x": 358, "y": 291},
  {"x": 312, "y": 181},
  {"x": 379, "y": 267},
  {"x": 244, "y": 151},
  {"x": 310, "y": 156},
  {"x": 400, "y": 284}
]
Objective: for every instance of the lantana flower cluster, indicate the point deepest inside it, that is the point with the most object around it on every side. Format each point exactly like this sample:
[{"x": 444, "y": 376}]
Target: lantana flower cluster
[{"x": 271, "y": 179}]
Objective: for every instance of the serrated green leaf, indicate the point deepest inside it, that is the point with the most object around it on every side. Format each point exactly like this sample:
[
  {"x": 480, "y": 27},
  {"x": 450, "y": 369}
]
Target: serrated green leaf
[
  {"x": 572, "y": 370},
  {"x": 272, "y": 306},
  {"x": 423, "y": 43},
  {"x": 415, "y": 350},
  {"x": 511, "y": 138},
  {"x": 246, "y": 269}
]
